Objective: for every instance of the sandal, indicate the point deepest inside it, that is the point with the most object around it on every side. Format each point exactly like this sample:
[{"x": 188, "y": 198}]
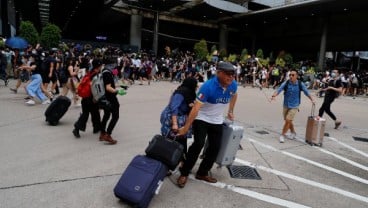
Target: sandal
[{"x": 182, "y": 180}]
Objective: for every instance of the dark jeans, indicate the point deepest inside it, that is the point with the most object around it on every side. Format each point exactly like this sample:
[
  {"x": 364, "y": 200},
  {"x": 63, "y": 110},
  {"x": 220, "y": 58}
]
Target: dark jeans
[
  {"x": 201, "y": 129},
  {"x": 88, "y": 107},
  {"x": 113, "y": 111},
  {"x": 326, "y": 107}
]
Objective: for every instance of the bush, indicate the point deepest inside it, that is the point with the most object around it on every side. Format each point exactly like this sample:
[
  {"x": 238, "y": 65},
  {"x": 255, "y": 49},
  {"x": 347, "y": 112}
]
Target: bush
[
  {"x": 28, "y": 31},
  {"x": 50, "y": 36},
  {"x": 201, "y": 50}
]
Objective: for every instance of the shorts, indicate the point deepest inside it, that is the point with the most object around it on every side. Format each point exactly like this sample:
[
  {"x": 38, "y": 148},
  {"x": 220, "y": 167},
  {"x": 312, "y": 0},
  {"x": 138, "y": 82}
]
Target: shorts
[
  {"x": 47, "y": 79},
  {"x": 289, "y": 113}
]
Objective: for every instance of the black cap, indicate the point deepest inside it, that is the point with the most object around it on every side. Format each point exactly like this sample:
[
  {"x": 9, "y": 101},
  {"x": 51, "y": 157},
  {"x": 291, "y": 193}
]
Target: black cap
[
  {"x": 96, "y": 63},
  {"x": 225, "y": 66}
]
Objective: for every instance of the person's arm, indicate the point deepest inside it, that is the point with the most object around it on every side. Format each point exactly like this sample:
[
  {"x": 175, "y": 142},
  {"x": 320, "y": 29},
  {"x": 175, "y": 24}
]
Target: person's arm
[
  {"x": 277, "y": 92},
  {"x": 51, "y": 68},
  {"x": 174, "y": 105},
  {"x": 306, "y": 93},
  {"x": 338, "y": 88},
  {"x": 230, "y": 112},
  {"x": 192, "y": 115}
]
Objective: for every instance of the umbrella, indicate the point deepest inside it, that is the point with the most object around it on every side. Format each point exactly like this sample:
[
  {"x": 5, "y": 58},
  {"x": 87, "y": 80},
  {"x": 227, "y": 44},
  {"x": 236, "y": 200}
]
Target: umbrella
[{"x": 16, "y": 42}]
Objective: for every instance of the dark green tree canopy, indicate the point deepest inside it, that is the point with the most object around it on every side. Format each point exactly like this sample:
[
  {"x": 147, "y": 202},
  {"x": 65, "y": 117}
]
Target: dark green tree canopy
[
  {"x": 28, "y": 31},
  {"x": 50, "y": 36}
]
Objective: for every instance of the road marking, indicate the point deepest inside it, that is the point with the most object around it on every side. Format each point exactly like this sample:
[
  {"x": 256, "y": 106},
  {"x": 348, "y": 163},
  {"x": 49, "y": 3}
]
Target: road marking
[
  {"x": 349, "y": 147},
  {"x": 256, "y": 195},
  {"x": 305, "y": 181},
  {"x": 343, "y": 159},
  {"x": 348, "y": 175}
]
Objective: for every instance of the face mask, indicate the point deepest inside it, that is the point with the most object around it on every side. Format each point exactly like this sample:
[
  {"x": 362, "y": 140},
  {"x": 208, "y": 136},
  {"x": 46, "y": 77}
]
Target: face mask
[{"x": 333, "y": 75}]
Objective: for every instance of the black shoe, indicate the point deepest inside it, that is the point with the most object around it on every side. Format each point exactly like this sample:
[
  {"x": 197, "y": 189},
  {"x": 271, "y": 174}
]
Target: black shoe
[
  {"x": 95, "y": 131},
  {"x": 76, "y": 133}
]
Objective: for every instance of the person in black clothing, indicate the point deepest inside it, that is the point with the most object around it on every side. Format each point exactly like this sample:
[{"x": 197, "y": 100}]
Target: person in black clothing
[
  {"x": 89, "y": 106},
  {"x": 113, "y": 107},
  {"x": 331, "y": 92}
]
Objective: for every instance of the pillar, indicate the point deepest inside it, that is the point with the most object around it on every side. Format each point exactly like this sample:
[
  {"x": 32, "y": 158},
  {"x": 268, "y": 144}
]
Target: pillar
[
  {"x": 223, "y": 37},
  {"x": 155, "y": 34},
  {"x": 135, "y": 29},
  {"x": 322, "y": 49}
]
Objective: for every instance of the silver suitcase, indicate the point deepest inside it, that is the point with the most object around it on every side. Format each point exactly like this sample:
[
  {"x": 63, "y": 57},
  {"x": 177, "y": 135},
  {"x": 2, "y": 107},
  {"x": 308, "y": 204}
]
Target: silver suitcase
[{"x": 230, "y": 143}]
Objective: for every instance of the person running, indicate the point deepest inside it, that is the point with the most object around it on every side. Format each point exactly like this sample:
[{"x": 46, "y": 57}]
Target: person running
[
  {"x": 207, "y": 119},
  {"x": 89, "y": 106},
  {"x": 113, "y": 109},
  {"x": 292, "y": 88},
  {"x": 34, "y": 87},
  {"x": 332, "y": 91}
]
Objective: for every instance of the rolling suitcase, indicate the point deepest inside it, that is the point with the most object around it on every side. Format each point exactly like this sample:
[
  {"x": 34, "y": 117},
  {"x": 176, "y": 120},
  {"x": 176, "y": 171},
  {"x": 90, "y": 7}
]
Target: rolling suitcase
[
  {"x": 165, "y": 150},
  {"x": 57, "y": 109},
  {"x": 230, "y": 143},
  {"x": 140, "y": 180},
  {"x": 315, "y": 130}
]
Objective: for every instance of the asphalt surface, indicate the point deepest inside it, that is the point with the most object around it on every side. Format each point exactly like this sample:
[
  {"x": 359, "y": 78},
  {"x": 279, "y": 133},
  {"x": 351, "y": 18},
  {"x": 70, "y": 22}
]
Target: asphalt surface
[{"x": 45, "y": 166}]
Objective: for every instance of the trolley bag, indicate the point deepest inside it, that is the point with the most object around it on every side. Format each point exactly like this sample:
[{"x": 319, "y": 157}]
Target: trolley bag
[
  {"x": 165, "y": 150},
  {"x": 57, "y": 109},
  {"x": 230, "y": 143},
  {"x": 140, "y": 181},
  {"x": 315, "y": 129}
]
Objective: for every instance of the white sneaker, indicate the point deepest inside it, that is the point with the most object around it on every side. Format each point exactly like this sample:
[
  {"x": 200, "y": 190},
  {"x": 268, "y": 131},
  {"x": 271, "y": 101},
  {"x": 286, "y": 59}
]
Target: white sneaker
[
  {"x": 45, "y": 102},
  {"x": 292, "y": 135},
  {"x": 282, "y": 139},
  {"x": 30, "y": 102}
]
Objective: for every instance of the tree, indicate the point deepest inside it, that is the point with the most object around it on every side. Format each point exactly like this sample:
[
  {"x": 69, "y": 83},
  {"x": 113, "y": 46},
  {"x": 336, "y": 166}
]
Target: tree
[
  {"x": 201, "y": 50},
  {"x": 50, "y": 36},
  {"x": 260, "y": 54},
  {"x": 28, "y": 31},
  {"x": 244, "y": 55}
]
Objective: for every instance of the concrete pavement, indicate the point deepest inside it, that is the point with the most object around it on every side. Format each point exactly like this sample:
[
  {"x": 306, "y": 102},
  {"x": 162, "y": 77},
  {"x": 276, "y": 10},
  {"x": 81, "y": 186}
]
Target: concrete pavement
[{"x": 45, "y": 166}]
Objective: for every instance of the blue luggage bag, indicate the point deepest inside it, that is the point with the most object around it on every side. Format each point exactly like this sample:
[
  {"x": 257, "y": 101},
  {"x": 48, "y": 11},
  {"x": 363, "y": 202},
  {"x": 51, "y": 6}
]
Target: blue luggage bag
[{"x": 140, "y": 180}]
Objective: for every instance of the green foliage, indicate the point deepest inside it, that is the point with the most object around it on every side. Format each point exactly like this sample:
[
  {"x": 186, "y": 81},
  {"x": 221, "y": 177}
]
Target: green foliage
[
  {"x": 201, "y": 50},
  {"x": 50, "y": 36},
  {"x": 213, "y": 49},
  {"x": 264, "y": 62},
  {"x": 2, "y": 43},
  {"x": 259, "y": 54},
  {"x": 28, "y": 31},
  {"x": 223, "y": 53},
  {"x": 284, "y": 59},
  {"x": 232, "y": 58},
  {"x": 244, "y": 55}
]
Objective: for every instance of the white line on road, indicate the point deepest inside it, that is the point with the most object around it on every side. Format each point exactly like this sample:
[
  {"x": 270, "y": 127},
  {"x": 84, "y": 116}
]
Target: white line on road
[
  {"x": 305, "y": 181},
  {"x": 348, "y": 146},
  {"x": 256, "y": 195},
  {"x": 348, "y": 175},
  {"x": 343, "y": 159}
]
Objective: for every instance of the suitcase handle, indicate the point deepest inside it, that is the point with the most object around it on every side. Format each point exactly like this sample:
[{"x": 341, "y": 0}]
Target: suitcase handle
[{"x": 313, "y": 109}]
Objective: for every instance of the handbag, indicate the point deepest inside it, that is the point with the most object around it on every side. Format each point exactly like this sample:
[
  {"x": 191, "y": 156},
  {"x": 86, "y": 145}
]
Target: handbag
[{"x": 166, "y": 150}]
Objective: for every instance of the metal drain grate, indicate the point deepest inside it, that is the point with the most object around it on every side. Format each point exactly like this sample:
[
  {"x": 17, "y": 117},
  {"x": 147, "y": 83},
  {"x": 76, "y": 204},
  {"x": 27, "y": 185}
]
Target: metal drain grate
[
  {"x": 262, "y": 132},
  {"x": 243, "y": 172},
  {"x": 360, "y": 139}
]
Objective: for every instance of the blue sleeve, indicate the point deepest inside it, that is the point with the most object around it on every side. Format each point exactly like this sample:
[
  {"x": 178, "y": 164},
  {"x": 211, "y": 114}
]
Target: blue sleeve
[
  {"x": 281, "y": 88},
  {"x": 175, "y": 103},
  {"x": 304, "y": 89},
  {"x": 204, "y": 92}
]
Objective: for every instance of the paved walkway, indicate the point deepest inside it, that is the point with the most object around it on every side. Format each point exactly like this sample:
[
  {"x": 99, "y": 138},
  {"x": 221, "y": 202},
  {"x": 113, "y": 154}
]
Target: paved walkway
[{"x": 45, "y": 166}]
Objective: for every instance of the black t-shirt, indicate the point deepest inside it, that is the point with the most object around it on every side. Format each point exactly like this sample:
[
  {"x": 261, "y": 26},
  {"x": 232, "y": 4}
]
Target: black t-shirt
[
  {"x": 37, "y": 69},
  {"x": 50, "y": 60},
  {"x": 109, "y": 79},
  {"x": 333, "y": 93}
]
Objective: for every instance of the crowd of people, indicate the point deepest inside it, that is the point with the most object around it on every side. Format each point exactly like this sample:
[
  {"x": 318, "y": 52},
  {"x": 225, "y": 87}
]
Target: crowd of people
[{"x": 190, "y": 110}]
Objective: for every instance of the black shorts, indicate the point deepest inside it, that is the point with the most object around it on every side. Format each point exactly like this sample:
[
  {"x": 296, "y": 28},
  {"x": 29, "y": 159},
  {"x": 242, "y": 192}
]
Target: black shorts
[{"x": 47, "y": 79}]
